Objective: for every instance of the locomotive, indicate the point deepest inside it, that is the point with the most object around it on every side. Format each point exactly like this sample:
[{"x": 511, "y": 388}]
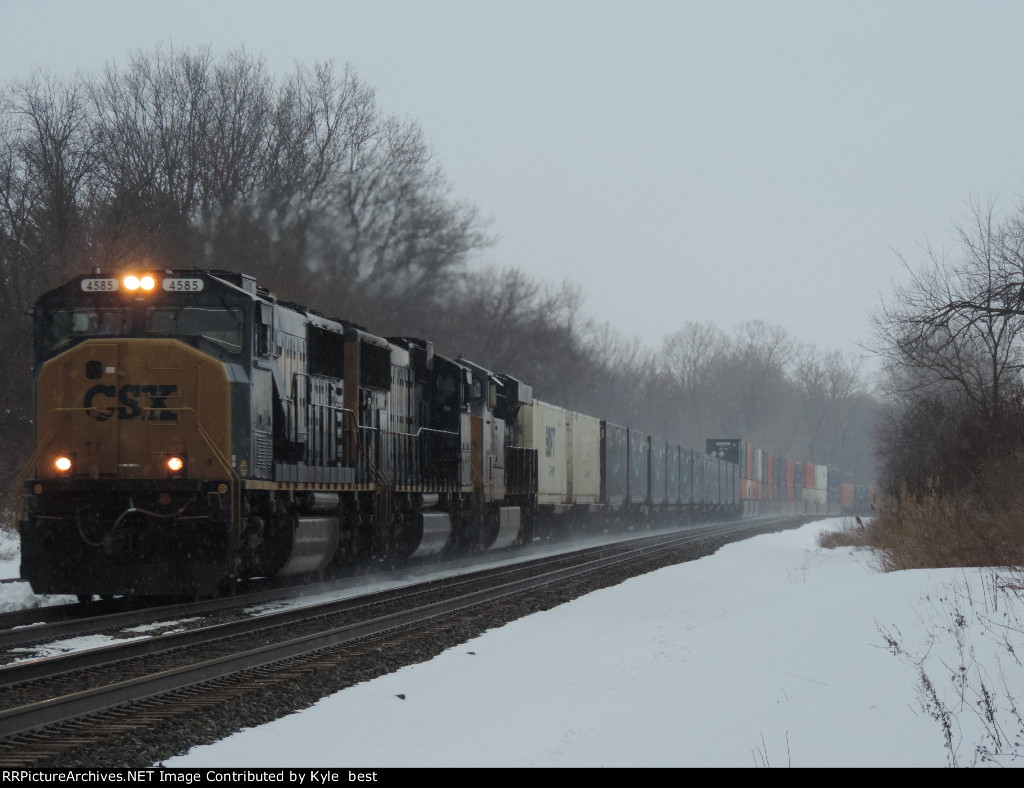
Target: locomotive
[{"x": 194, "y": 430}]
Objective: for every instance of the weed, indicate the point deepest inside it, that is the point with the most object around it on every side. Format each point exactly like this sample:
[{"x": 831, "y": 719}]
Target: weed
[
  {"x": 971, "y": 702},
  {"x": 852, "y": 533},
  {"x": 932, "y": 531}
]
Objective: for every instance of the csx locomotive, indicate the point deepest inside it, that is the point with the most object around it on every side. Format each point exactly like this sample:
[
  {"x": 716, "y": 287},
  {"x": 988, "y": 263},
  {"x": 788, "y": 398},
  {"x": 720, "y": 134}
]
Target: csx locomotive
[{"x": 193, "y": 430}]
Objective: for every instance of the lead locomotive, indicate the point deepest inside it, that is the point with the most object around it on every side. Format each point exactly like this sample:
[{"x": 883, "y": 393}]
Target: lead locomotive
[{"x": 193, "y": 430}]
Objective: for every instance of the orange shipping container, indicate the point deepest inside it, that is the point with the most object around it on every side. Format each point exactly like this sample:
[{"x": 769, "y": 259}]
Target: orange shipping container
[{"x": 808, "y": 481}]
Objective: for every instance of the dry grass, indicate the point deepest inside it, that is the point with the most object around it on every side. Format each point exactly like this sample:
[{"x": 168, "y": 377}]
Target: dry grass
[
  {"x": 934, "y": 531},
  {"x": 854, "y": 533}
]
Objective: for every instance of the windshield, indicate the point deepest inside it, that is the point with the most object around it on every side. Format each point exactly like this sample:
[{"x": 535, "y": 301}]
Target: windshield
[
  {"x": 65, "y": 325},
  {"x": 219, "y": 325},
  {"x": 222, "y": 326}
]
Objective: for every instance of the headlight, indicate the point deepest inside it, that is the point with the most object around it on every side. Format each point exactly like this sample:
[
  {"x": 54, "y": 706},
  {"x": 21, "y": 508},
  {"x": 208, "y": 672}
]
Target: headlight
[{"x": 133, "y": 283}]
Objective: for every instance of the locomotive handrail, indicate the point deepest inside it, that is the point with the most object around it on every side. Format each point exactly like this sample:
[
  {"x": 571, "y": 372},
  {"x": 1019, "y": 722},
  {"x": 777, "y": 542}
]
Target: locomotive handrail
[
  {"x": 371, "y": 428},
  {"x": 416, "y": 434}
]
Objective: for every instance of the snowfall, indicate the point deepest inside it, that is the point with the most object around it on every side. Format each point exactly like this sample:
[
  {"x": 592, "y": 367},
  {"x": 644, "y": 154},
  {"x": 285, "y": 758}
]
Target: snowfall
[{"x": 773, "y": 652}]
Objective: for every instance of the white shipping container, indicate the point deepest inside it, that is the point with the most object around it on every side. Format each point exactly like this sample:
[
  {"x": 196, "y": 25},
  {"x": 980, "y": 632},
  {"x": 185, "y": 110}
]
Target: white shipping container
[
  {"x": 821, "y": 477},
  {"x": 818, "y": 493},
  {"x": 546, "y": 432},
  {"x": 584, "y": 453}
]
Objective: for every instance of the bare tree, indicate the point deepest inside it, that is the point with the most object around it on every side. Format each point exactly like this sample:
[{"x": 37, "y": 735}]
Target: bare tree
[
  {"x": 752, "y": 386},
  {"x": 828, "y": 382},
  {"x": 689, "y": 358},
  {"x": 45, "y": 164},
  {"x": 952, "y": 338},
  {"x": 392, "y": 227},
  {"x": 950, "y": 327},
  {"x": 511, "y": 323}
]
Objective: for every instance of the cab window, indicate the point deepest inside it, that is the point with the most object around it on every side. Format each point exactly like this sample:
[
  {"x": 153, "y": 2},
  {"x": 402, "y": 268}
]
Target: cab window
[
  {"x": 222, "y": 327},
  {"x": 63, "y": 326}
]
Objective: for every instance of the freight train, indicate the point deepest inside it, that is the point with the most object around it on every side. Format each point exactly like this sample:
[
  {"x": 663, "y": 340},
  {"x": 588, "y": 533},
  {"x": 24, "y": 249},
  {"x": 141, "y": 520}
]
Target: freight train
[{"x": 193, "y": 430}]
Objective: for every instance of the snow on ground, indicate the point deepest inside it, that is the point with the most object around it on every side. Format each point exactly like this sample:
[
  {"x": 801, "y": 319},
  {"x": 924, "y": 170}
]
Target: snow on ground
[
  {"x": 19, "y": 596},
  {"x": 769, "y": 653},
  {"x": 772, "y": 652}
]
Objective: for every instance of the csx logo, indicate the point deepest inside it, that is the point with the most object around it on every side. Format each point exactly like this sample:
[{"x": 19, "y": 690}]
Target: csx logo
[{"x": 129, "y": 398}]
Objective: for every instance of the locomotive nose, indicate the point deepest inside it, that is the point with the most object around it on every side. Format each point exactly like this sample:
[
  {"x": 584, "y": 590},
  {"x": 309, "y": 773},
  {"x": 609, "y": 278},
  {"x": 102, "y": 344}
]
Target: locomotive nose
[{"x": 128, "y": 408}]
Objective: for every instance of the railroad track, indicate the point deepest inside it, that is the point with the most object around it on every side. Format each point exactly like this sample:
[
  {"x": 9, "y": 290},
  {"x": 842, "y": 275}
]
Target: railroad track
[
  {"x": 52, "y": 708},
  {"x": 34, "y": 625}
]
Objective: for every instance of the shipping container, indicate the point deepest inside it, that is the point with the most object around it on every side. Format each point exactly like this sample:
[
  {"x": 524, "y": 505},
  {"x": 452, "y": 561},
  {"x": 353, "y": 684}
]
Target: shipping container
[
  {"x": 614, "y": 464},
  {"x": 658, "y": 472},
  {"x": 813, "y": 476},
  {"x": 721, "y": 475},
  {"x": 808, "y": 481},
  {"x": 686, "y": 475},
  {"x": 700, "y": 477},
  {"x": 639, "y": 465},
  {"x": 583, "y": 434},
  {"x": 834, "y": 479},
  {"x": 547, "y": 426},
  {"x": 821, "y": 478},
  {"x": 673, "y": 479}
]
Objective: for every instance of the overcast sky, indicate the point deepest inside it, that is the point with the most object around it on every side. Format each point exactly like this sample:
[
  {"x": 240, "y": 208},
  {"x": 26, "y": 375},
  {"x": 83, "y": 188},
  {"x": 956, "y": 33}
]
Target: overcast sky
[{"x": 708, "y": 160}]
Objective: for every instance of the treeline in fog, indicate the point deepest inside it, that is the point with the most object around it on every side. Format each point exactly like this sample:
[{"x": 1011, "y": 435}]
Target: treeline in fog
[
  {"x": 181, "y": 158},
  {"x": 952, "y": 337}
]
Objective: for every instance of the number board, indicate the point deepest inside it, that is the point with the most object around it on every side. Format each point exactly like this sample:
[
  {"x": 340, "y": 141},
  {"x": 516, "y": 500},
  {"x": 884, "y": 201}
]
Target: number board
[
  {"x": 100, "y": 285},
  {"x": 183, "y": 285}
]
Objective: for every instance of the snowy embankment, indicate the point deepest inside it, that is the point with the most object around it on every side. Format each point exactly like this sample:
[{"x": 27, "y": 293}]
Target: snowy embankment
[{"x": 772, "y": 652}]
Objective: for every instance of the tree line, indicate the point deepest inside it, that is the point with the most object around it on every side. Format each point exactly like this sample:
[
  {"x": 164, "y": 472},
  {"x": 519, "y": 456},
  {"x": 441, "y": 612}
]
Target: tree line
[
  {"x": 180, "y": 158},
  {"x": 951, "y": 440},
  {"x": 952, "y": 336}
]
